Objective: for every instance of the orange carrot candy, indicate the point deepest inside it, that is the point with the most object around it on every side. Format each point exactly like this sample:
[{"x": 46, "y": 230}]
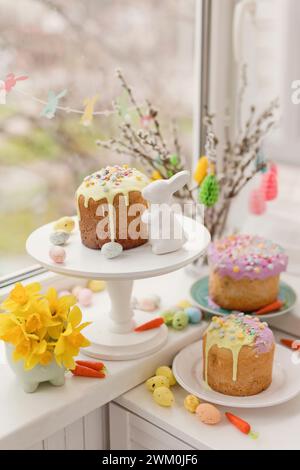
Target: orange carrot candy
[
  {"x": 82, "y": 371},
  {"x": 273, "y": 307},
  {"x": 241, "y": 425},
  {"x": 96, "y": 365},
  {"x": 155, "y": 323},
  {"x": 290, "y": 343}
]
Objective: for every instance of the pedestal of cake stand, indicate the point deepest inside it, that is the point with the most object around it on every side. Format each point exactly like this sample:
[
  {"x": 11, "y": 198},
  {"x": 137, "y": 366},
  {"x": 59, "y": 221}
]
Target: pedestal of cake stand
[{"x": 111, "y": 333}]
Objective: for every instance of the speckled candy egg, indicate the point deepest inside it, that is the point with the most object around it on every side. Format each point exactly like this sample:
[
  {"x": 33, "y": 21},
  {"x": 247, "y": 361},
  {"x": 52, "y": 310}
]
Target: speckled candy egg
[
  {"x": 59, "y": 238},
  {"x": 111, "y": 250},
  {"x": 208, "y": 413},
  {"x": 64, "y": 293},
  {"x": 157, "y": 381},
  {"x": 163, "y": 396},
  {"x": 96, "y": 286},
  {"x": 168, "y": 315},
  {"x": 65, "y": 224},
  {"x": 57, "y": 254},
  {"x": 194, "y": 314},
  {"x": 180, "y": 321},
  {"x": 191, "y": 403},
  {"x": 85, "y": 297},
  {"x": 166, "y": 371}
]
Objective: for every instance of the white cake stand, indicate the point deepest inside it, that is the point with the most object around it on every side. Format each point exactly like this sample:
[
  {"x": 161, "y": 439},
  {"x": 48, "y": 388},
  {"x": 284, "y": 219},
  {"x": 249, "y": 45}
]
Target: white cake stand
[{"x": 111, "y": 335}]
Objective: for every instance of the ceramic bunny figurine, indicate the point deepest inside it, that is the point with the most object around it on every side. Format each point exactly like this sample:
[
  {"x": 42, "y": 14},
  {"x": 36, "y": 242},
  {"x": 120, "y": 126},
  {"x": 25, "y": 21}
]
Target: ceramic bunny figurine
[{"x": 165, "y": 230}]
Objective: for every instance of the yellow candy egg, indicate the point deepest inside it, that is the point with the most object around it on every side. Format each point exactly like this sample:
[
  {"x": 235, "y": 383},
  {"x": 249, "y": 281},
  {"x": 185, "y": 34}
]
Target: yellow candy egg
[
  {"x": 96, "y": 286},
  {"x": 157, "y": 381},
  {"x": 163, "y": 396},
  {"x": 66, "y": 224},
  {"x": 184, "y": 304},
  {"x": 166, "y": 372},
  {"x": 191, "y": 403}
]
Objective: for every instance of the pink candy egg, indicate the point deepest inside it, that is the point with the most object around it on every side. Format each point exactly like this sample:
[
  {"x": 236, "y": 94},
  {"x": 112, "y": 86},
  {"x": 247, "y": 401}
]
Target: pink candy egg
[
  {"x": 57, "y": 254},
  {"x": 76, "y": 290},
  {"x": 85, "y": 297}
]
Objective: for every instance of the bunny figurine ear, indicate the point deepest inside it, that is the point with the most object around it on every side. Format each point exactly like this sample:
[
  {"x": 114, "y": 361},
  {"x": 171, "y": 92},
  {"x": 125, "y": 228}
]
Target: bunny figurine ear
[{"x": 179, "y": 180}]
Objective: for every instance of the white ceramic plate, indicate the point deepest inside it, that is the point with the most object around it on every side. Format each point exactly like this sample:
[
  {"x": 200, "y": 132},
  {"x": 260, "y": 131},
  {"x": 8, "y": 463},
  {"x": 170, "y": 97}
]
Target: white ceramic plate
[{"x": 187, "y": 368}]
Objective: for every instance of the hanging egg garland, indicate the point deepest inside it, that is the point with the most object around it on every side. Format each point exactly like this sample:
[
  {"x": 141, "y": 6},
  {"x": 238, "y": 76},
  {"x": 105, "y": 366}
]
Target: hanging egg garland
[
  {"x": 269, "y": 186},
  {"x": 257, "y": 203},
  {"x": 204, "y": 166},
  {"x": 209, "y": 191},
  {"x": 174, "y": 160}
]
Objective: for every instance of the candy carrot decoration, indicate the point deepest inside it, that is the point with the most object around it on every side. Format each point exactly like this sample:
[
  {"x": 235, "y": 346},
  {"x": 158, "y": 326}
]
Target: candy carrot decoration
[
  {"x": 150, "y": 324},
  {"x": 99, "y": 366},
  {"x": 273, "y": 307},
  {"x": 290, "y": 343},
  {"x": 239, "y": 423},
  {"x": 82, "y": 371}
]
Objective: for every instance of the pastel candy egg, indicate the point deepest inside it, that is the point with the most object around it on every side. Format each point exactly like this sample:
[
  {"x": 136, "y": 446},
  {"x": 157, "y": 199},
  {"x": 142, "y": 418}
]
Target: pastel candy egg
[
  {"x": 180, "y": 321},
  {"x": 184, "y": 304},
  {"x": 194, "y": 314},
  {"x": 163, "y": 396},
  {"x": 59, "y": 238},
  {"x": 57, "y": 254},
  {"x": 111, "y": 250},
  {"x": 66, "y": 224},
  {"x": 191, "y": 403},
  {"x": 168, "y": 317},
  {"x": 166, "y": 372},
  {"x": 76, "y": 290},
  {"x": 96, "y": 286},
  {"x": 157, "y": 381},
  {"x": 208, "y": 413},
  {"x": 85, "y": 297}
]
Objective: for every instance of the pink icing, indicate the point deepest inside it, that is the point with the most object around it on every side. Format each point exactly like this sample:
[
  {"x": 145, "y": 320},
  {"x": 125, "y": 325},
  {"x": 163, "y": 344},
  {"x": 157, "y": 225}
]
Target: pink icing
[
  {"x": 253, "y": 257},
  {"x": 263, "y": 336}
]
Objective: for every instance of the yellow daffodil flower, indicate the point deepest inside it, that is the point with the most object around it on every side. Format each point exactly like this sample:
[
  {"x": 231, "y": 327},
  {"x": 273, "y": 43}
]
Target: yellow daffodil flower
[
  {"x": 59, "y": 308},
  {"x": 71, "y": 340},
  {"x": 20, "y": 297}
]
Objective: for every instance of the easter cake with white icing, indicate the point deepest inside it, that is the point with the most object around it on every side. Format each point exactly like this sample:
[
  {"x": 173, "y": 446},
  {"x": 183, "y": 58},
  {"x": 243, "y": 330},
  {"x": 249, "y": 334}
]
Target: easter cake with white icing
[
  {"x": 244, "y": 272},
  {"x": 110, "y": 205},
  {"x": 238, "y": 353}
]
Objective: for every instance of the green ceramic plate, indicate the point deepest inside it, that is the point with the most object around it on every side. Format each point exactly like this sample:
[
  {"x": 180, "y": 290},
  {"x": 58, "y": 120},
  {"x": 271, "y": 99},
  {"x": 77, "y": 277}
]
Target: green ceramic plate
[{"x": 199, "y": 292}]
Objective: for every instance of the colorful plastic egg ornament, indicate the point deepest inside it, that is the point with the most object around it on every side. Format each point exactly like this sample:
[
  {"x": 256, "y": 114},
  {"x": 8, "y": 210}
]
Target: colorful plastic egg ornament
[
  {"x": 257, "y": 203},
  {"x": 209, "y": 191}
]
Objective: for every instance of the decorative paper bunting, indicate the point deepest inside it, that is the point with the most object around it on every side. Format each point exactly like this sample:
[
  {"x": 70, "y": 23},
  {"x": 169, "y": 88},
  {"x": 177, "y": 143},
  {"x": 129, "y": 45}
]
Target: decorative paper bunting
[
  {"x": 88, "y": 114},
  {"x": 52, "y": 104},
  {"x": 11, "y": 81}
]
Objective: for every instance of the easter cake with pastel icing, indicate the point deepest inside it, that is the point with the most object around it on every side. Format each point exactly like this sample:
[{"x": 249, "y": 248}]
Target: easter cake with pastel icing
[
  {"x": 244, "y": 272},
  {"x": 110, "y": 205},
  {"x": 238, "y": 353}
]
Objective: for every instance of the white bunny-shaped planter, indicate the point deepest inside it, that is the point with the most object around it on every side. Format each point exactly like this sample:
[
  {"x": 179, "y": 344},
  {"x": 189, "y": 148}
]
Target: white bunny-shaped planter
[{"x": 166, "y": 233}]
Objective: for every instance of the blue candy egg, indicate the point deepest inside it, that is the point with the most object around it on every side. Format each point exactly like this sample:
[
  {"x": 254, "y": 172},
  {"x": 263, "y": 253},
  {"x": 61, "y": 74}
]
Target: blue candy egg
[{"x": 194, "y": 314}]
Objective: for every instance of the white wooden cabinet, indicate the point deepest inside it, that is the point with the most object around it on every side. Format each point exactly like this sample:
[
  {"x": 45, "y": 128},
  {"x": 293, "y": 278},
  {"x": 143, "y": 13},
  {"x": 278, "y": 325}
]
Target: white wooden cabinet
[
  {"x": 131, "y": 432},
  {"x": 87, "y": 433}
]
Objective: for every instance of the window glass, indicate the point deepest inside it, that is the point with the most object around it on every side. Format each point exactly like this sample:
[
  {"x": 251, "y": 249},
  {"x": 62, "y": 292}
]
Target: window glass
[{"x": 77, "y": 46}]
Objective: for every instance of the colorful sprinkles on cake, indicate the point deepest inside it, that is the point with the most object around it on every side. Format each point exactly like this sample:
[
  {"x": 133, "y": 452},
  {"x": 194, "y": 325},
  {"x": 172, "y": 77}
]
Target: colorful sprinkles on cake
[
  {"x": 240, "y": 256},
  {"x": 234, "y": 332},
  {"x": 107, "y": 183}
]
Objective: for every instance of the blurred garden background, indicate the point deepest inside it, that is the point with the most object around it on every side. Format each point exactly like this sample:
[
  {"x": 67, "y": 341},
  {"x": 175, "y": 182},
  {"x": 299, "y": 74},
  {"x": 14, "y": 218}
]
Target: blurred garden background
[{"x": 77, "y": 45}]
